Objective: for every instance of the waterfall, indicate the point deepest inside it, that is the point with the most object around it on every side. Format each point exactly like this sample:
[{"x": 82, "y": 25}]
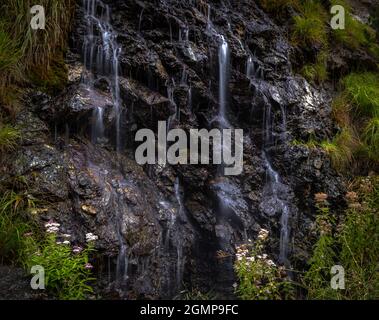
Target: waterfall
[
  {"x": 179, "y": 245},
  {"x": 170, "y": 96},
  {"x": 101, "y": 55},
  {"x": 223, "y": 56},
  {"x": 274, "y": 189},
  {"x": 173, "y": 240},
  {"x": 140, "y": 19},
  {"x": 98, "y": 126},
  {"x": 186, "y": 43}
]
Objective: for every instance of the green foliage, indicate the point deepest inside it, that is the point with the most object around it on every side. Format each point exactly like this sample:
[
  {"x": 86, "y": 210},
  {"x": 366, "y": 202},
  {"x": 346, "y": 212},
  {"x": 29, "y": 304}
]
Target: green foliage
[
  {"x": 371, "y": 138},
  {"x": 9, "y": 53},
  {"x": 341, "y": 149},
  {"x": 31, "y": 55},
  {"x": 309, "y": 28},
  {"x": 317, "y": 72},
  {"x": 9, "y": 137},
  {"x": 363, "y": 89},
  {"x": 356, "y": 111},
  {"x": 259, "y": 278},
  {"x": 15, "y": 221},
  {"x": 355, "y": 35},
  {"x": 67, "y": 274},
  {"x": 353, "y": 244}
]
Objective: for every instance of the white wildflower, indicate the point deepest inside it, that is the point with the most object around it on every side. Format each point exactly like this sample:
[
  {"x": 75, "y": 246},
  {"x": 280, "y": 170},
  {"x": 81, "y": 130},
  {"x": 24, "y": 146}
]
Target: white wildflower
[
  {"x": 263, "y": 234},
  {"x": 91, "y": 237},
  {"x": 271, "y": 263}
]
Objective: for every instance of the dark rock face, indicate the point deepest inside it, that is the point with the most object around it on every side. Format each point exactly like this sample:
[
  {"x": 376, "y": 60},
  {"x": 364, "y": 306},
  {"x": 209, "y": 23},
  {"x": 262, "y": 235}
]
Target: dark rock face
[{"x": 162, "y": 226}]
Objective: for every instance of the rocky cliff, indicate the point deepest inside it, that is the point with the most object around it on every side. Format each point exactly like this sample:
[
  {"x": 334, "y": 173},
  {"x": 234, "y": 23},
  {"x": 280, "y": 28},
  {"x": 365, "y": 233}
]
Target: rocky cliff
[{"x": 162, "y": 229}]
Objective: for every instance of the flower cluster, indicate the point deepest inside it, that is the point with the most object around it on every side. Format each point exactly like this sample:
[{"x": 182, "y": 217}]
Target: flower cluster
[
  {"x": 263, "y": 234},
  {"x": 90, "y": 237},
  {"x": 52, "y": 227},
  {"x": 242, "y": 252},
  {"x": 353, "y": 200},
  {"x": 77, "y": 249},
  {"x": 321, "y": 199},
  {"x": 88, "y": 266}
]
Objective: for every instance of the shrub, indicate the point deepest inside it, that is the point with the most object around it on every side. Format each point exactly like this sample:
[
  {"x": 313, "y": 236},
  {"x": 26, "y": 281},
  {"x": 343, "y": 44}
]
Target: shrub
[
  {"x": 259, "y": 277},
  {"x": 67, "y": 269},
  {"x": 353, "y": 244}
]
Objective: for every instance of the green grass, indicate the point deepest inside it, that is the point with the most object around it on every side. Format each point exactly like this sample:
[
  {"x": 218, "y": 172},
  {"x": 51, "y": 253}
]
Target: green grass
[
  {"x": 317, "y": 72},
  {"x": 342, "y": 148},
  {"x": 371, "y": 138},
  {"x": 363, "y": 89},
  {"x": 355, "y": 34},
  {"x": 9, "y": 136},
  {"x": 31, "y": 56},
  {"x": 15, "y": 221},
  {"x": 309, "y": 27}
]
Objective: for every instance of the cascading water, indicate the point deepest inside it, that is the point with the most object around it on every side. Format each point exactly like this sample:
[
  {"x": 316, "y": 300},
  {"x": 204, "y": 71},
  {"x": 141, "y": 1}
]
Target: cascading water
[
  {"x": 179, "y": 244},
  {"x": 186, "y": 43},
  {"x": 118, "y": 206},
  {"x": 223, "y": 56},
  {"x": 101, "y": 56},
  {"x": 274, "y": 201},
  {"x": 98, "y": 126}
]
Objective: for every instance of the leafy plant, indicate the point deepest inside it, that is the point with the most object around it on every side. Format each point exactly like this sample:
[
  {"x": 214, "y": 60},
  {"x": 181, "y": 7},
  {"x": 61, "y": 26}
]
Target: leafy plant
[
  {"x": 67, "y": 274},
  {"x": 353, "y": 244},
  {"x": 259, "y": 278},
  {"x": 15, "y": 221}
]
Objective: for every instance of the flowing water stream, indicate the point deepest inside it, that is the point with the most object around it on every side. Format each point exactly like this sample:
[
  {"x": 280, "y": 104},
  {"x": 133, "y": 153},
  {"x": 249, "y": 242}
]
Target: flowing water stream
[{"x": 101, "y": 56}]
